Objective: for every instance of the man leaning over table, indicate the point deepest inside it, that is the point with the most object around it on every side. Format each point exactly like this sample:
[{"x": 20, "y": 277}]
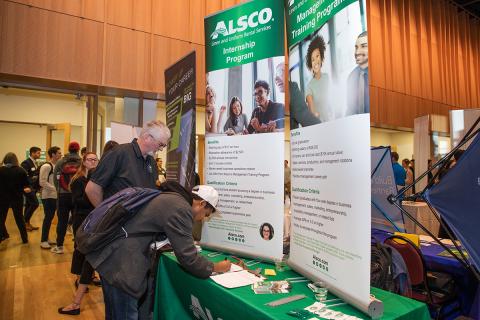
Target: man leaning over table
[{"x": 124, "y": 265}]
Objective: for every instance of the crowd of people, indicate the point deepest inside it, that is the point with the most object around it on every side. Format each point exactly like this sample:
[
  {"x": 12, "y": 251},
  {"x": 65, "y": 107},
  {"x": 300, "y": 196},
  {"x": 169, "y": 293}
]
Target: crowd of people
[
  {"x": 405, "y": 173},
  {"x": 73, "y": 185}
]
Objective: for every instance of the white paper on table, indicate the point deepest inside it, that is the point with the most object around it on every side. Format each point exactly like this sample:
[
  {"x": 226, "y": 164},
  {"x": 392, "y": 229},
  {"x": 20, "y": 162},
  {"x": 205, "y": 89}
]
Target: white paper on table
[
  {"x": 236, "y": 279},
  {"x": 235, "y": 268}
]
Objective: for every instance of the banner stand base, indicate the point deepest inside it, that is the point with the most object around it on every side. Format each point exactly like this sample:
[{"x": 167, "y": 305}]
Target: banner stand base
[{"x": 375, "y": 308}]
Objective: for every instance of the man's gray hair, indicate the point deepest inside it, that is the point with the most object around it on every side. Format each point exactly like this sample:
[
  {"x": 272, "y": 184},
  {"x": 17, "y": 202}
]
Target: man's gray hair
[{"x": 155, "y": 128}]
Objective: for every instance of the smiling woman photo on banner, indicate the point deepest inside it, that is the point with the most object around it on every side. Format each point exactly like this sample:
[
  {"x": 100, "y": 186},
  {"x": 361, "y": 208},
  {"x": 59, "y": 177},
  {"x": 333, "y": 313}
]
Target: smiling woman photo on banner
[{"x": 266, "y": 231}]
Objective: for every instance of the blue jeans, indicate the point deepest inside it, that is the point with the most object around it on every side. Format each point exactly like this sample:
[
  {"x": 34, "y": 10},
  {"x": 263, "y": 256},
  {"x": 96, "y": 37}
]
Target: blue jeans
[
  {"x": 49, "y": 207},
  {"x": 118, "y": 304}
]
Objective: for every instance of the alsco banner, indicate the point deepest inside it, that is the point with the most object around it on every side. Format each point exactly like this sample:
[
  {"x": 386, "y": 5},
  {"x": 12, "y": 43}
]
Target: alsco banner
[
  {"x": 244, "y": 129},
  {"x": 306, "y": 16},
  {"x": 243, "y": 34}
]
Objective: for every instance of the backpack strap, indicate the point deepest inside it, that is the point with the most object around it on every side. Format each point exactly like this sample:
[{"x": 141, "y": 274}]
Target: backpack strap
[{"x": 51, "y": 170}]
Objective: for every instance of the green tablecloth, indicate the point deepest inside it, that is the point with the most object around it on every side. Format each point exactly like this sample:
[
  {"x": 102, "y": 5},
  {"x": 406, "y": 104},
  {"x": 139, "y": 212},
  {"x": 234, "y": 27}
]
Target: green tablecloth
[{"x": 182, "y": 296}]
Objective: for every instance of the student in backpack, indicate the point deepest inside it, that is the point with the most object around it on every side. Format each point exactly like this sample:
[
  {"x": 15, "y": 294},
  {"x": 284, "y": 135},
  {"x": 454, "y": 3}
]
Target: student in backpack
[
  {"x": 48, "y": 193},
  {"x": 124, "y": 264},
  {"x": 64, "y": 170},
  {"x": 82, "y": 207},
  {"x": 31, "y": 202}
]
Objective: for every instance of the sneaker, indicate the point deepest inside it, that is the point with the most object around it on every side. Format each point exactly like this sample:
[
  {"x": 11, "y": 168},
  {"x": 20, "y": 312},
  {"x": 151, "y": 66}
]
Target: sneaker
[
  {"x": 45, "y": 245},
  {"x": 57, "y": 250}
]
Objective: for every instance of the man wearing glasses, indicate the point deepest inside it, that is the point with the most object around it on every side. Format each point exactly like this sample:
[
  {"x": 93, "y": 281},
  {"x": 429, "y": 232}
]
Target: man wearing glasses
[
  {"x": 268, "y": 116},
  {"x": 130, "y": 164}
]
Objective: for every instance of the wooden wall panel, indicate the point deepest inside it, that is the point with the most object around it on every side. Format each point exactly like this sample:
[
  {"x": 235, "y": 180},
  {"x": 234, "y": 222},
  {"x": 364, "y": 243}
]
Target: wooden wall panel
[
  {"x": 425, "y": 59},
  {"x": 132, "y": 14},
  {"x": 200, "y": 71},
  {"x": 212, "y": 7},
  {"x": 90, "y": 9},
  {"x": 73, "y": 7},
  {"x": 32, "y": 45},
  {"x": 127, "y": 59},
  {"x": 171, "y": 19},
  {"x": 226, "y": 4},
  {"x": 165, "y": 52},
  {"x": 94, "y": 9},
  {"x": 197, "y": 15}
]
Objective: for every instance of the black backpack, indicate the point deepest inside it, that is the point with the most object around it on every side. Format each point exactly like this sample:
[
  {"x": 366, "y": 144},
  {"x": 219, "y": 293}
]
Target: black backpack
[
  {"x": 381, "y": 267},
  {"x": 36, "y": 179},
  {"x": 106, "y": 222}
]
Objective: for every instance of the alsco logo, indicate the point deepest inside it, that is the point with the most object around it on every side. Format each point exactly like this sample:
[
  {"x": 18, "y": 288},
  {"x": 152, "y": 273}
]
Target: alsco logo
[{"x": 253, "y": 20}]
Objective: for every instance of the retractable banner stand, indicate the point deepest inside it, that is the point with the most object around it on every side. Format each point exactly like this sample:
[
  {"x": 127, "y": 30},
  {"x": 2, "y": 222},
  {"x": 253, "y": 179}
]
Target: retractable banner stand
[
  {"x": 180, "y": 108},
  {"x": 385, "y": 216},
  {"x": 330, "y": 146},
  {"x": 244, "y": 128}
]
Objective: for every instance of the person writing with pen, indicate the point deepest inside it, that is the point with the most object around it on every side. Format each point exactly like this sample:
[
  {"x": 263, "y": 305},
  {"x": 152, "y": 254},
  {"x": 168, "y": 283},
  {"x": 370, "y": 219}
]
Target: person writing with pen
[{"x": 268, "y": 116}]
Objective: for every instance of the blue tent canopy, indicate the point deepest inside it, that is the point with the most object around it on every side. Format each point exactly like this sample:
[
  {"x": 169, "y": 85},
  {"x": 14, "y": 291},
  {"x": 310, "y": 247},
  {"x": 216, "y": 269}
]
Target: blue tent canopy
[
  {"x": 385, "y": 216},
  {"x": 457, "y": 199}
]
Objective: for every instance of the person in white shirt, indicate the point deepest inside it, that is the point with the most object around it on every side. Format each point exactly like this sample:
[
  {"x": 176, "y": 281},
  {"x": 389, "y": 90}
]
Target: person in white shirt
[{"x": 48, "y": 194}]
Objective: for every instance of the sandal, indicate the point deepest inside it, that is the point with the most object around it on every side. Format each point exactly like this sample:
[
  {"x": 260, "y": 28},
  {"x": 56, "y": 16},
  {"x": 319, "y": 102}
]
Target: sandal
[{"x": 72, "y": 312}]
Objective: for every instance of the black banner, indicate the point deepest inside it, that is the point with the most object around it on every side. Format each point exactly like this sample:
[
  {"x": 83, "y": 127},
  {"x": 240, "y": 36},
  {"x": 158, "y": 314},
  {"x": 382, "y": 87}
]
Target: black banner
[{"x": 180, "y": 108}]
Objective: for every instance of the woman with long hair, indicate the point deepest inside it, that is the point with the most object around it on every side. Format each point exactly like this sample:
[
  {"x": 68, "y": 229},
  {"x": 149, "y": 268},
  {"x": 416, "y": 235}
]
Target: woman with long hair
[
  {"x": 82, "y": 208},
  {"x": 237, "y": 122},
  {"x": 212, "y": 125},
  {"x": 13, "y": 183}
]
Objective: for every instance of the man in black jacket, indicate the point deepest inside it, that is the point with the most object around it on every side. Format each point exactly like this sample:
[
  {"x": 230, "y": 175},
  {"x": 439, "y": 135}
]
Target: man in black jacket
[{"x": 31, "y": 201}]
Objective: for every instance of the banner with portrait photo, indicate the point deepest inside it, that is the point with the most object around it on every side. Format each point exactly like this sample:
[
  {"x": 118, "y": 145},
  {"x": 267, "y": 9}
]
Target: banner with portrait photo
[
  {"x": 180, "y": 109},
  {"x": 244, "y": 128},
  {"x": 330, "y": 146}
]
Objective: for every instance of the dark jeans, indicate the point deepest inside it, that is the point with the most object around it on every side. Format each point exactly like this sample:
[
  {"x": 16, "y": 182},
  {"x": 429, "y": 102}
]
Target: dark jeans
[
  {"x": 31, "y": 204},
  {"x": 49, "y": 207},
  {"x": 65, "y": 206},
  {"x": 80, "y": 266},
  {"x": 17, "y": 214},
  {"x": 118, "y": 304}
]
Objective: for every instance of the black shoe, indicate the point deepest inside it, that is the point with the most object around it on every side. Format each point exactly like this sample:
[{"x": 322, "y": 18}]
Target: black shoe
[{"x": 73, "y": 312}]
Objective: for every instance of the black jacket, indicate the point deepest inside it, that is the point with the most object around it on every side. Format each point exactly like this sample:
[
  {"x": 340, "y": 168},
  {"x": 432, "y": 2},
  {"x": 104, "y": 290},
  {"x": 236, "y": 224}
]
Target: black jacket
[
  {"x": 81, "y": 204},
  {"x": 32, "y": 171},
  {"x": 12, "y": 181}
]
